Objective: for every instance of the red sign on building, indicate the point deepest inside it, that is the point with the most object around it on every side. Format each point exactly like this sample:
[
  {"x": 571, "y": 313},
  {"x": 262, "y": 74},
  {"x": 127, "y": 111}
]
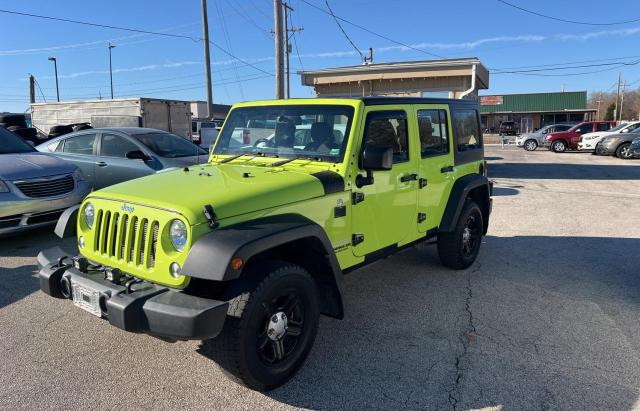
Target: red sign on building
[{"x": 491, "y": 100}]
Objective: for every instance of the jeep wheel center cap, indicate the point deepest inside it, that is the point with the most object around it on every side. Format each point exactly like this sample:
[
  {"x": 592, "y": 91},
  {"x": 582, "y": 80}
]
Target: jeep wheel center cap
[{"x": 277, "y": 327}]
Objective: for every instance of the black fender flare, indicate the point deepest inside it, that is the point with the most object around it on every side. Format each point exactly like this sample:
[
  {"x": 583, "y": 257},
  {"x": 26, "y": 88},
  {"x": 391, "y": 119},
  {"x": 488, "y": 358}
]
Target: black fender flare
[
  {"x": 67, "y": 222},
  {"x": 459, "y": 193},
  {"x": 210, "y": 256}
]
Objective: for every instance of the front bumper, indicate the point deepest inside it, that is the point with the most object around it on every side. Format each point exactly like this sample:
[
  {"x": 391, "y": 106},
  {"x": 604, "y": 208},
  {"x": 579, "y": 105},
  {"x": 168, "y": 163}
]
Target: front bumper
[
  {"x": 19, "y": 213},
  {"x": 587, "y": 145},
  {"x": 142, "y": 307},
  {"x": 608, "y": 149}
]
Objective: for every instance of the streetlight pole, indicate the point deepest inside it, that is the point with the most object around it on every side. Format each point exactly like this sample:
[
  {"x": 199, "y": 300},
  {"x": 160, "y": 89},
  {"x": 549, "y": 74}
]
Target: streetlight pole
[
  {"x": 111, "y": 70},
  {"x": 55, "y": 67}
]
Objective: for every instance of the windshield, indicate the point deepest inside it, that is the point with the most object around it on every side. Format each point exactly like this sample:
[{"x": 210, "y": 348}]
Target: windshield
[
  {"x": 619, "y": 127},
  {"x": 11, "y": 143},
  {"x": 169, "y": 145},
  {"x": 311, "y": 131}
]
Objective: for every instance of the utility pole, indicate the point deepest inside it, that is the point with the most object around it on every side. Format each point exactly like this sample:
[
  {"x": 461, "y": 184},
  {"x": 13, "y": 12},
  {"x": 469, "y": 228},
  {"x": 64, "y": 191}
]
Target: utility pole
[
  {"x": 207, "y": 59},
  {"x": 111, "y": 46},
  {"x": 598, "y": 112},
  {"x": 277, "y": 12},
  {"x": 624, "y": 86},
  {"x": 55, "y": 67},
  {"x": 32, "y": 89},
  {"x": 615, "y": 110},
  {"x": 287, "y": 46}
]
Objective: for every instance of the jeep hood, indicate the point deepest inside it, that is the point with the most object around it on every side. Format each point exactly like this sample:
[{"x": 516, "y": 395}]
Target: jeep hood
[{"x": 230, "y": 189}]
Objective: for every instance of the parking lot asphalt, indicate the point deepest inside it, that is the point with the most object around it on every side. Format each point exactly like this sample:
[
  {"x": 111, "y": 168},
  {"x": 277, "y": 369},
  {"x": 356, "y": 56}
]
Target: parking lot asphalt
[{"x": 547, "y": 318}]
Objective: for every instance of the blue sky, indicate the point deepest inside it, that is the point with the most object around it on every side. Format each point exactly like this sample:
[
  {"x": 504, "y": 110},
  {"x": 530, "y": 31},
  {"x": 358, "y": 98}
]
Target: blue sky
[{"x": 153, "y": 66}]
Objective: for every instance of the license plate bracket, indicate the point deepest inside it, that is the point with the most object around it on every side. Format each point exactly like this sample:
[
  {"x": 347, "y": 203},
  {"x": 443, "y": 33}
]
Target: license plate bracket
[{"x": 87, "y": 299}]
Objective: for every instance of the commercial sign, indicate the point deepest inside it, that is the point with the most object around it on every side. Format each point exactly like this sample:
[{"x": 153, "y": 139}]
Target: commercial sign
[{"x": 491, "y": 100}]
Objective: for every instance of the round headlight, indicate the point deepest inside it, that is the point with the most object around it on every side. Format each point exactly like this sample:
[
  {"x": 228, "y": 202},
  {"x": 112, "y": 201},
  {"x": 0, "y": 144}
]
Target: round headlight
[
  {"x": 178, "y": 234},
  {"x": 88, "y": 214}
]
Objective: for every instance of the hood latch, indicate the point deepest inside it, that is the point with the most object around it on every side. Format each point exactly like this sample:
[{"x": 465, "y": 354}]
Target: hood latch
[{"x": 210, "y": 215}]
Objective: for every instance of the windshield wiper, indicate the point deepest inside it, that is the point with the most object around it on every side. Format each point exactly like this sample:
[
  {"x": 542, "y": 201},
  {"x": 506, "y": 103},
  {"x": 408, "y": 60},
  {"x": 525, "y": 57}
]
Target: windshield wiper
[
  {"x": 228, "y": 159},
  {"x": 288, "y": 160}
]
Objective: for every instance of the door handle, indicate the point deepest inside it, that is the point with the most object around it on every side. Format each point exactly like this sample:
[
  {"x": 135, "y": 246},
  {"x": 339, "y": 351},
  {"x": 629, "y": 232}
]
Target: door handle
[
  {"x": 447, "y": 169},
  {"x": 101, "y": 164},
  {"x": 408, "y": 177}
]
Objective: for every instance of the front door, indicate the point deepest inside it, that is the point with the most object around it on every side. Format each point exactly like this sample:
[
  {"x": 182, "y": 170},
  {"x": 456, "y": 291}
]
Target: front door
[
  {"x": 112, "y": 164},
  {"x": 436, "y": 163},
  {"x": 384, "y": 213}
]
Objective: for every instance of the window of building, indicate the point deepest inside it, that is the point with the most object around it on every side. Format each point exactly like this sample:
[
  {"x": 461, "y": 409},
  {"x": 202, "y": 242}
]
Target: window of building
[
  {"x": 82, "y": 144},
  {"x": 388, "y": 128},
  {"x": 432, "y": 128},
  {"x": 116, "y": 146},
  {"x": 468, "y": 136}
]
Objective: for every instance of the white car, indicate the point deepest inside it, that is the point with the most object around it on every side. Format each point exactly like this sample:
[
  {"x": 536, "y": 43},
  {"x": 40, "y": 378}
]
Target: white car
[{"x": 589, "y": 141}]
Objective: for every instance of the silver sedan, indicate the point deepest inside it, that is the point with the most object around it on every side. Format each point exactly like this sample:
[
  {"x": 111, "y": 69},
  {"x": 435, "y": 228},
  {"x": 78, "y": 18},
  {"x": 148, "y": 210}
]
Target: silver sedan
[
  {"x": 108, "y": 156},
  {"x": 35, "y": 188}
]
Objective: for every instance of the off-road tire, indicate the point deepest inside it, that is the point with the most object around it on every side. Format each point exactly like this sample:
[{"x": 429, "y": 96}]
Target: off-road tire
[
  {"x": 623, "y": 151},
  {"x": 451, "y": 248},
  {"x": 530, "y": 145},
  {"x": 559, "y": 146},
  {"x": 236, "y": 350}
]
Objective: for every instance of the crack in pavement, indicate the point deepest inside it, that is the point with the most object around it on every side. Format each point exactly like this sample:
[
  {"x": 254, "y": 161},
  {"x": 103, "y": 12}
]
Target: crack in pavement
[{"x": 467, "y": 337}]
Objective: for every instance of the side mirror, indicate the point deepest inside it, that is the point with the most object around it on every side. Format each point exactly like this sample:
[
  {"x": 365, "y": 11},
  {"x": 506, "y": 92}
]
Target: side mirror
[
  {"x": 374, "y": 158},
  {"x": 137, "y": 155}
]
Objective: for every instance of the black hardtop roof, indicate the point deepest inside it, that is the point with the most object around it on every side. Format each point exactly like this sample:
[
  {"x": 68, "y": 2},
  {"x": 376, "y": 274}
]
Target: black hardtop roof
[{"x": 377, "y": 101}]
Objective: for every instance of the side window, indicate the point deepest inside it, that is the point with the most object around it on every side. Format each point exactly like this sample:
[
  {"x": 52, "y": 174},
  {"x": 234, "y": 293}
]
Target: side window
[
  {"x": 465, "y": 122},
  {"x": 585, "y": 128},
  {"x": 194, "y": 127},
  {"x": 113, "y": 145},
  {"x": 603, "y": 126},
  {"x": 388, "y": 128},
  {"x": 80, "y": 144},
  {"x": 433, "y": 130},
  {"x": 55, "y": 146}
]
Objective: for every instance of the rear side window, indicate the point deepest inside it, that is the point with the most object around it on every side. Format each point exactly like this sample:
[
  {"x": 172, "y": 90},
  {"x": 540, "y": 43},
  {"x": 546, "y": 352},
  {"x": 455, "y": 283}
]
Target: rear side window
[
  {"x": 603, "y": 126},
  {"x": 433, "y": 131},
  {"x": 388, "y": 128},
  {"x": 80, "y": 144},
  {"x": 465, "y": 122}
]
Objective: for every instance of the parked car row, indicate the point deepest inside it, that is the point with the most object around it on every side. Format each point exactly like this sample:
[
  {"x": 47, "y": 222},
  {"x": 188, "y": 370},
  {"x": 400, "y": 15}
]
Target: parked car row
[
  {"x": 599, "y": 137},
  {"x": 38, "y": 184}
]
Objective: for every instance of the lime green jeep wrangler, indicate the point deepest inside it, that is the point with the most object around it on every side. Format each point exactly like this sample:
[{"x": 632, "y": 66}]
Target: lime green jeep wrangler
[{"x": 247, "y": 251}]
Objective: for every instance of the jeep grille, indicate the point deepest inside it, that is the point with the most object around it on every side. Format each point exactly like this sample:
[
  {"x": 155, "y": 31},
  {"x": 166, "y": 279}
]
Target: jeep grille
[{"x": 127, "y": 238}]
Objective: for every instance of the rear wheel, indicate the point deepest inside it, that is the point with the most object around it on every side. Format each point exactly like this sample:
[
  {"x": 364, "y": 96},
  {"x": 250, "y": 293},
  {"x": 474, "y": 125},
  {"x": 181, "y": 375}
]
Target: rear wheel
[
  {"x": 530, "y": 145},
  {"x": 559, "y": 146},
  {"x": 624, "y": 151},
  {"x": 459, "y": 249},
  {"x": 270, "y": 327}
]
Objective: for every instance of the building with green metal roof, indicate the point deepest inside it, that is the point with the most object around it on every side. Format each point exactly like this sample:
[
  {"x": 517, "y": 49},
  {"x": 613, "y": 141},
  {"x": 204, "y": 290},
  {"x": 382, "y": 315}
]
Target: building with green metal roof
[{"x": 534, "y": 110}]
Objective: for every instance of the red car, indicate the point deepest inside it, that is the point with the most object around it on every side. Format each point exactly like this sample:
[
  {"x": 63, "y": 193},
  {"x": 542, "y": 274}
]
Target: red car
[{"x": 568, "y": 140}]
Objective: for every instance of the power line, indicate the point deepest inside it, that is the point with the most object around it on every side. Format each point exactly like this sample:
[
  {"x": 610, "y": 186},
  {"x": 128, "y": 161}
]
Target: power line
[
  {"x": 584, "y": 23},
  {"x": 85, "y": 23},
  {"x": 344, "y": 32},
  {"x": 492, "y": 69},
  {"x": 618, "y": 64},
  {"x": 225, "y": 32},
  {"x": 242, "y": 13},
  {"x": 371, "y": 31},
  {"x": 295, "y": 42}
]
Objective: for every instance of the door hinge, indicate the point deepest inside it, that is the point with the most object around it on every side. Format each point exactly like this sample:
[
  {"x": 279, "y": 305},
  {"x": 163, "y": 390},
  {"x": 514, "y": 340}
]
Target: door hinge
[
  {"x": 422, "y": 183},
  {"x": 356, "y": 239},
  {"x": 357, "y": 198},
  {"x": 421, "y": 217}
]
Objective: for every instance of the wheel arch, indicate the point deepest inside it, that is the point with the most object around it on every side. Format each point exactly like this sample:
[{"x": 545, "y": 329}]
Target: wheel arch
[
  {"x": 474, "y": 186},
  {"x": 291, "y": 238}
]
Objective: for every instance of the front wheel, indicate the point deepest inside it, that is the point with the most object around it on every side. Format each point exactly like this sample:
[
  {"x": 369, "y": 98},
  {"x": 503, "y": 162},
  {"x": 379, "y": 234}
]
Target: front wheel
[
  {"x": 270, "y": 326},
  {"x": 624, "y": 151},
  {"x": 530, "y": 145},
  {"x": 558, "y": 146},
  {"x": 459, "y": 249}
]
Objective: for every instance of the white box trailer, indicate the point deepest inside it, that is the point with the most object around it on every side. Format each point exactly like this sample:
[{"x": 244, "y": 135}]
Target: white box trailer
[{"x": 169, "y": 115}]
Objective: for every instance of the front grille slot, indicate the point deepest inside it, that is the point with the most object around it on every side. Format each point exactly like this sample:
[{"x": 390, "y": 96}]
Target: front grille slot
[
  {"x": 126, "y": 238},
  {"x": 39, "y": 188}
]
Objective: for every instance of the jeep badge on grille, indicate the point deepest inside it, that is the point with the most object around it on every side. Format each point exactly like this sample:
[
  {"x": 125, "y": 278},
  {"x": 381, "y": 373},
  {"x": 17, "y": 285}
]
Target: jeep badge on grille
[{"x": 127, "y": 208}]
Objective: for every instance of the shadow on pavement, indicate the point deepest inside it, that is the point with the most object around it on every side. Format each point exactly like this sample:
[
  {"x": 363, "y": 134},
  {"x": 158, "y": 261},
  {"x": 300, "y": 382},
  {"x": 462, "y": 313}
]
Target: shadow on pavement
[
  {"x": 554, "y": 171},
  {"x": 414, "y": 336},
  {"x": 504, "y": 191},
  {"x": 17, "y": 283}
]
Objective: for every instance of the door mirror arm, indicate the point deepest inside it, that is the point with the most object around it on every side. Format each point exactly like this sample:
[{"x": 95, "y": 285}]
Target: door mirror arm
[{"x": 137, "y": 155}]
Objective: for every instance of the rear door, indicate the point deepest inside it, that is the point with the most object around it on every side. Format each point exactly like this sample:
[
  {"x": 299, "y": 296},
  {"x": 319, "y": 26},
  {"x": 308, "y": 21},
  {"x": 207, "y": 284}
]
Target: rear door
[
  {"x": 434, "y": 139},
  {"x": 583, "y": 129},
  {"x": 112, "y": 164},
  {"x": 80, "y": 150}
]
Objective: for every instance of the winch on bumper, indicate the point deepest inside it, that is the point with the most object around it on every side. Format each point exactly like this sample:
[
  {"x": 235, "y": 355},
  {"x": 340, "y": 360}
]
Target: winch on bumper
[{"x": 135, "y": 306}]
